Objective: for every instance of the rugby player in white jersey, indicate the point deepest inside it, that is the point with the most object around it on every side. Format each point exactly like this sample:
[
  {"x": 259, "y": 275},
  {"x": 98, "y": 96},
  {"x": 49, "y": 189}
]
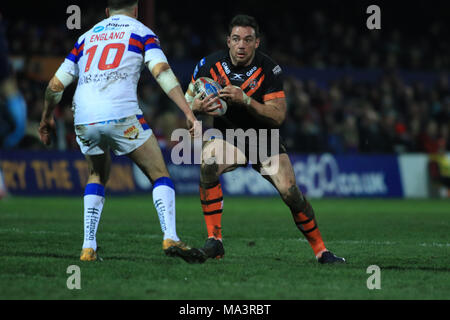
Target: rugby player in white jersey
[{"x": 108, "y": 60}]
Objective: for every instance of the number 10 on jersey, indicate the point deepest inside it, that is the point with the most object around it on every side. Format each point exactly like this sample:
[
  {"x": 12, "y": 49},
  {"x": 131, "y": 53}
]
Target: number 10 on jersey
[{"x": 102, "y": 65}]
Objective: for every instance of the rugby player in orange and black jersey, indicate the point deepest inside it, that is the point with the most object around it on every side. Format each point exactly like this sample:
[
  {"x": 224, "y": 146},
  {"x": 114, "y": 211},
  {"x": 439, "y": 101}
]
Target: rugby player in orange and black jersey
[
  {"x": 253, "y": 90},
  {"x": 260, "y": 80}
]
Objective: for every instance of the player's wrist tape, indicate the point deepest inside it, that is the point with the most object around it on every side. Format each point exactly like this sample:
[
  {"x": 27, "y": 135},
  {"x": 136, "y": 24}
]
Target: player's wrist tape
[
  {"x": 188, "y": 97},
  {"x": 65, "y": 77},
  {"x": 247, "y": 99},
  {"x": 167, "y": 80}
]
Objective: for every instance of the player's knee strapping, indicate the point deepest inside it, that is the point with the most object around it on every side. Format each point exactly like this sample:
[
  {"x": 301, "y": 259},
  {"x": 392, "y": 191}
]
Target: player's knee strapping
[{"x": 211, "y": 198}]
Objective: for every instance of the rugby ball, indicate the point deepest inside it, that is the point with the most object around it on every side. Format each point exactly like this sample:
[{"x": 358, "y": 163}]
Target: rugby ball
[{"x": 205, "y": 86}]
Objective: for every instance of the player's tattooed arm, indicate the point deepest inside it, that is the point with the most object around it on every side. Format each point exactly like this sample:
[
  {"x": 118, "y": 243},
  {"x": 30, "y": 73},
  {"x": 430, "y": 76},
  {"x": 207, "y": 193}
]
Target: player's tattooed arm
[
  {"x": 53, "y": 94},
  {"x": 55, "y": 89},
  {"x": 272, "y": 112}
]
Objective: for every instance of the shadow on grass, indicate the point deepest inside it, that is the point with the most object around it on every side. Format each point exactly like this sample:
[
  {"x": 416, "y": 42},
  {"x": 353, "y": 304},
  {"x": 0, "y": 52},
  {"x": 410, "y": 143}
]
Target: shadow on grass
[
  {"x": 155, "y": 259},
  {"x": 74, "y": 256},
  {"x": 39, "y": 255},
  {"x": 390, "y": 267}
]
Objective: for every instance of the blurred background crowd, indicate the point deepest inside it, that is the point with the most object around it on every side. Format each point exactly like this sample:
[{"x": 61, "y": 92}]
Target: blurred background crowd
[{"x": 391, "y": 95}]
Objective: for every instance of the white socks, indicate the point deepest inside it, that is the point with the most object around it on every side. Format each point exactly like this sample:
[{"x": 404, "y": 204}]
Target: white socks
[
  {"x": 164, "y": 201},
  {"x": 94, "y": 198}
]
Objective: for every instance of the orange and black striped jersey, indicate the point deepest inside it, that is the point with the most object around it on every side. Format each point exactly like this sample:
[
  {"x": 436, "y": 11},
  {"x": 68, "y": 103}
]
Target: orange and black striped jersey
[{"x": 261, "y": 80}]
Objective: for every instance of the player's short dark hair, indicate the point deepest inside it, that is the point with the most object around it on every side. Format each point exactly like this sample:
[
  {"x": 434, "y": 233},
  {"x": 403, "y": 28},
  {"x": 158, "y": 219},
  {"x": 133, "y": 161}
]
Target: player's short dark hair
[
  {"x": 121, "y": 4},
  {"x": 243, "y": 20}
]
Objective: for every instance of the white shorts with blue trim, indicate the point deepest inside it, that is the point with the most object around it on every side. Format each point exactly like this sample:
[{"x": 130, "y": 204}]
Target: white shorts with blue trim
[{"x": 122, "y": 136}]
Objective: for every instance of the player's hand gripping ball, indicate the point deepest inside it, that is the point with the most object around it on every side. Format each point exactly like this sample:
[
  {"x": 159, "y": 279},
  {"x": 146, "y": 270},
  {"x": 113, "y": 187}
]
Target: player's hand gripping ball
[{"x": 206, "y": 86}]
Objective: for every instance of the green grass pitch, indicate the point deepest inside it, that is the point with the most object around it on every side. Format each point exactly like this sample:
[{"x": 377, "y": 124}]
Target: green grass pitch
[{"x": 266, "y": 257}]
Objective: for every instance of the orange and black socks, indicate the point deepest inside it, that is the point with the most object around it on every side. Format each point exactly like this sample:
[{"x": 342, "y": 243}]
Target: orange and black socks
[
  {"x": 306, "y": 223},
  {"x": 211, "y": 197}
]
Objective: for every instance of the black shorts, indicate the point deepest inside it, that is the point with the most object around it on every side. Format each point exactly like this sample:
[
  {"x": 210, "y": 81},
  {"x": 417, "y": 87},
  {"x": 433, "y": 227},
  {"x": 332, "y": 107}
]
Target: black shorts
[{"x": 258, "y": 149}]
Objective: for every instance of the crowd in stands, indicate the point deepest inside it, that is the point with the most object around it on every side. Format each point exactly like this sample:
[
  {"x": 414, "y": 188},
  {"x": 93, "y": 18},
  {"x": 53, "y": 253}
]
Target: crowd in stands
[{"x": 386, "y": 116}]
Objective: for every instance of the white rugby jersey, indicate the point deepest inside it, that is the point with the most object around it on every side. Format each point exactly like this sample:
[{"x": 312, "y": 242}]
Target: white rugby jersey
[{"x": 108, "y": 60}]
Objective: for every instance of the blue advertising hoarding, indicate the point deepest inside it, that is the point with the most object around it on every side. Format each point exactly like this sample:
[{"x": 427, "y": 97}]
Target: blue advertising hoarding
[
  {"x": 325, "y": 175},
  {"x": 58, "y": 173}
]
